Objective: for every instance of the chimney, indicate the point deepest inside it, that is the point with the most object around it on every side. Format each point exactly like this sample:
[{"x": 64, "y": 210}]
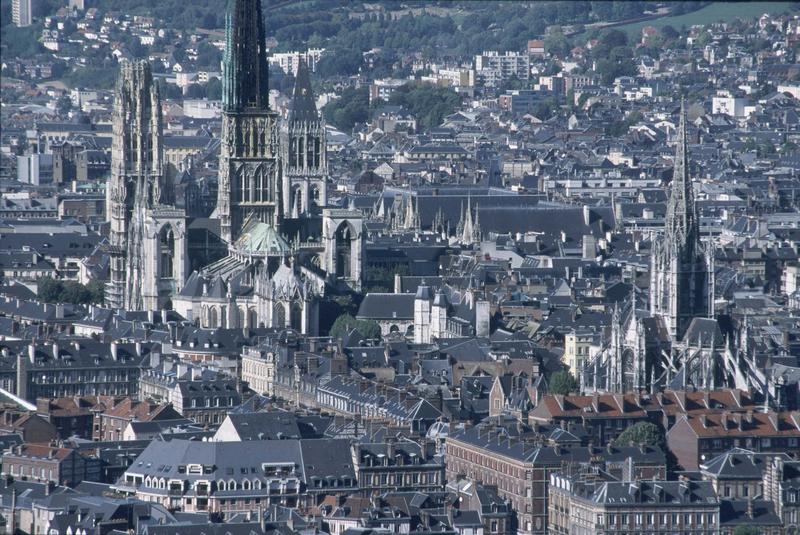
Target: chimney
[
  {"x": 56, "y": 351},
  {"x": 114, "y": 350},
  {"x": 164, "y": 316},
  {"x": 138, "y": 348},
  {"x": 22, "y": 372},
  {"x": 750, "y": 507},
  {"x": 586, "y": 215},
  {"x": 155, "y": 359}
]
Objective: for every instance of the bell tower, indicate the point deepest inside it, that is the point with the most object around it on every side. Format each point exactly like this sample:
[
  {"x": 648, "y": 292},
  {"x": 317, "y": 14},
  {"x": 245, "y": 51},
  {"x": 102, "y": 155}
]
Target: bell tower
[{"x": 249, "y": 173}]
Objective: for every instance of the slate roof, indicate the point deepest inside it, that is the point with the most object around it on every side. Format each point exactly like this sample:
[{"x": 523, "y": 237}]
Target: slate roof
[
  {"x": 654, "y": 492},
  {"x": 387, "y": 306},
  {"x": 504, "y": 442},
  {"x": 265, "y": 425},
  {"x": 739, "y": 463},
  {"x": 318, "y": 458}
]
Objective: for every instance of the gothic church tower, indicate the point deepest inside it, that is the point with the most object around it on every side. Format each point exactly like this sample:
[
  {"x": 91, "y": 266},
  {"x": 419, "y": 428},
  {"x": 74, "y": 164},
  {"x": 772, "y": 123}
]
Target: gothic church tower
[
  {"x": 136, "y": 165},
  {"x": 249, "y": 172},
  {"x": 681, "y": 283},
  {"x": 304, "y": 151}
]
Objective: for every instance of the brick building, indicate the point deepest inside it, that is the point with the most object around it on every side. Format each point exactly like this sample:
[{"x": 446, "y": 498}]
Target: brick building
[
  {"x": 44, "y": 463},
  {"x": 695, "y": 439},
  {"x": 509, "y": 459}
]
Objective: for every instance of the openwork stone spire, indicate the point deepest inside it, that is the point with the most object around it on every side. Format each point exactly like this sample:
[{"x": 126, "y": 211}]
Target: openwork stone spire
[
  {"x": 245, "y": 77},
  {"x": 681, "y": 278},
  {"x": 681, "y": 224}
]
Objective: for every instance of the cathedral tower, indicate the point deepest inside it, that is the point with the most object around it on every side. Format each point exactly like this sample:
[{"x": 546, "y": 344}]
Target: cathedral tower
[
  {"x": 136, "y": 165},
  {"x": 249, "y": 174},
  {"x": 304, "y": 151},
  {"x": 680, "y": 278}
]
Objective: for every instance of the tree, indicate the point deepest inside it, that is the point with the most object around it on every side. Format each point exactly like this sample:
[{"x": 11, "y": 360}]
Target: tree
[
  {"x": 556, "y": 43},
  {"x": 208, "y": 56},
  {"x": 669, "y": 32},
  {"x": 339, "y": 62},
  {"x": 49, "y": 290},
  {"x": 214, "y": 89},
  {"x": 430, "y": 104},
  {"x": 345, "y": 323},
  {"x": 195, "y": 91},
  {"x": 563, "y": 383},
  {"x": 56, "y": 291},
  {"x": 614, "y": 38},
  {"x": 97, "y": 290},
  {"x": 170, "y": 91},
  {"x": 609, "y": 69},
  {"x": 641, "y": 433},
  {"x": 352, "y": 108},
  {"x": 63, "y": 105},
  {"x": 746, "y": 530}
]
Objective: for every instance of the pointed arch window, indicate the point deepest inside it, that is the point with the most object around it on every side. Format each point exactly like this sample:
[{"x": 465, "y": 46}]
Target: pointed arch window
[{"x": 167, "y": 251}]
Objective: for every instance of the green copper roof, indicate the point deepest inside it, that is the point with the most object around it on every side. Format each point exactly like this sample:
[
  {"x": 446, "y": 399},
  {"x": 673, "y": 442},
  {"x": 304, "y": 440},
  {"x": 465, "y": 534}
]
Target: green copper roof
[{"x": 261, "y": 239}]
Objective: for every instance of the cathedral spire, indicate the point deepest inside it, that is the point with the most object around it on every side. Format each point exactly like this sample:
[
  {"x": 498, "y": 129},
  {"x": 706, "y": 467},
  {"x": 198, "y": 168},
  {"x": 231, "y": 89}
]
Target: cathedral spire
[
  {"x": 245, "y": 59},
  {"x": 681, "y": 224},
  {"x": 681, "y": 281}
]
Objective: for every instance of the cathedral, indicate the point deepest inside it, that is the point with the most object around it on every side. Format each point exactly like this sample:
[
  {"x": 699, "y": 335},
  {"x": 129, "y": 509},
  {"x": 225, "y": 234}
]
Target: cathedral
[
  {"x": 285, "y": 245},
  {"x": 677, "y": 343}
]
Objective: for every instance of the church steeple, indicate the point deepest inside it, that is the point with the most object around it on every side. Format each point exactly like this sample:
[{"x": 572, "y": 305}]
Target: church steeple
[
  {"x": 304, "y": 157},
  {"x": 303, "y": 106},
  {"x": 681, "y": 279},
  {"x": 682, "y": 231},
  {"x": 245, "y": 78}
]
